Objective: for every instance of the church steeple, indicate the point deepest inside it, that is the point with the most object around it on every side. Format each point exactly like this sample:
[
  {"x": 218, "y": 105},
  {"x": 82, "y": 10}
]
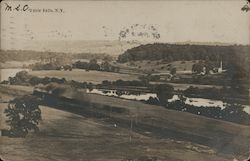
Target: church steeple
[{"x": 220, "y": 68}]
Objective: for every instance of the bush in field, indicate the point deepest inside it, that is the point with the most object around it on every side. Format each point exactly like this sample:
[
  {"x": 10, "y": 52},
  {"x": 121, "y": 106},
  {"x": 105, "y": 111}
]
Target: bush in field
[{"x": 23, "y": 116}]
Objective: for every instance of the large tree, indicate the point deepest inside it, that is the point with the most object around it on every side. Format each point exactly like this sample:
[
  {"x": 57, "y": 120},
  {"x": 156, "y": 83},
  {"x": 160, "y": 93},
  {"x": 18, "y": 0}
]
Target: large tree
[
  {"x": 23, "y": 116},
  {"x": 164, "y": 92}
]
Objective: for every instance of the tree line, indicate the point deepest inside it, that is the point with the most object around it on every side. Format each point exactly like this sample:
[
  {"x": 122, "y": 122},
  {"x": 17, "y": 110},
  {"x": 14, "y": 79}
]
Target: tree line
[{"x": 176, "y": 52}]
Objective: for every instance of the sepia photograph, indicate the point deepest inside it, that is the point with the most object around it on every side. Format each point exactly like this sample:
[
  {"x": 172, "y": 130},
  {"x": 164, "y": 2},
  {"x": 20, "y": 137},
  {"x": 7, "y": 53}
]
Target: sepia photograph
[{"x": 126, "y": 80}]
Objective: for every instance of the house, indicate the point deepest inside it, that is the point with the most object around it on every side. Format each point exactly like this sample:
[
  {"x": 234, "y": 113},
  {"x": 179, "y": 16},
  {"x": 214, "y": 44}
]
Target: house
[{"x": 163, "y": 76}]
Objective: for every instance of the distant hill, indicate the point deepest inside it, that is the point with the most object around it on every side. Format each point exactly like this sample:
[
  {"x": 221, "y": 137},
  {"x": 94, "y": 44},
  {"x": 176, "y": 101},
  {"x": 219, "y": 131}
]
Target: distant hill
[
  {"x": 182, "y": 52},
  {"x": 39, "y": 49},
  {"x": 236, "y": 58},
  {"x": 82, "y": 46},
  {"x": 204, "y": 43}
]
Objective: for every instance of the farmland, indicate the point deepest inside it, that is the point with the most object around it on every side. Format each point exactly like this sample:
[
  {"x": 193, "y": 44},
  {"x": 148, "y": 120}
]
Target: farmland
[
  {"x": 151, "y": 66},
  {"x": 84, "y": 76}
]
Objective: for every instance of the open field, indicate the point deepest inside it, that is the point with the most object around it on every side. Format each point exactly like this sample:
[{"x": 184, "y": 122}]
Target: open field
[
  {"x": 182, "y": 86},
  {"x": 84, "y": 76},
  {"x": 65, "y": 136},
  {"x": 159, "y": 66},
  {"x": 16, "y": 64},
  {"x": 169, "y": 135}
]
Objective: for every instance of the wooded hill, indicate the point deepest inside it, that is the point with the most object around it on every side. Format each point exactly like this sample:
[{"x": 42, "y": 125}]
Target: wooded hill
[
  {"x": 174, "y": 52},
  {"x": 236, "y": 58}
]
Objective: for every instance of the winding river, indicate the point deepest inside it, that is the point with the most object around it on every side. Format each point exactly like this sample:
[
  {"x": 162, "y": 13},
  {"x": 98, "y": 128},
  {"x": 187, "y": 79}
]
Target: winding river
[{"x": 145, "y": 96}]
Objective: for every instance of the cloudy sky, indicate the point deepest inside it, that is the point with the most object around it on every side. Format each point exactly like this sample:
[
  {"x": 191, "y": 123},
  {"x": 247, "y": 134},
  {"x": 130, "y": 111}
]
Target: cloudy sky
[{"x": 175, "y": 21}]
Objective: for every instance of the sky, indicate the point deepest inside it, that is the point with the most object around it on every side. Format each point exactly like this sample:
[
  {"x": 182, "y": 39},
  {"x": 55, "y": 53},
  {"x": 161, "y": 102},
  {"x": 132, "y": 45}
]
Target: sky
[{"x": 175, "y": 21}]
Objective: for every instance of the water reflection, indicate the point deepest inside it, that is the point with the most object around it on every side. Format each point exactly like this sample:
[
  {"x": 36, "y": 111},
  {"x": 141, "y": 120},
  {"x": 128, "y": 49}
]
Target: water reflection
[{"x": 123, "y": 94}]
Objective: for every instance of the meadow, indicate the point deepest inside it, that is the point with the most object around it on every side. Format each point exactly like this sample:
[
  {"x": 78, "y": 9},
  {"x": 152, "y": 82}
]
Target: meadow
[
  {"x": 156, "y": 132},
  {"x": 80, "y": 75}
]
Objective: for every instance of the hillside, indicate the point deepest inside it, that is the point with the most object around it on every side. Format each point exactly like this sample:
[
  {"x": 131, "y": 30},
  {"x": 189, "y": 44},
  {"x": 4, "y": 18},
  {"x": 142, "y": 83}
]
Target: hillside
[
  {"x": 168, "y": 130},
  {"x": 175, "y": 52},
  {"x": 71, "y": 136}
]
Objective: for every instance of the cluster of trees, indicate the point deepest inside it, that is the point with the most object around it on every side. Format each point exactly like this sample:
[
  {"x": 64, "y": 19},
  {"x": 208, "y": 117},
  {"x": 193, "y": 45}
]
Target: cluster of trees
[
  {"x": 52, "y": 63},
  {"x": 58, "y": 63},
  {"x": 207, "y": 65},
  {"x": 120, "y": 82},
  {"x": 83, "y": 85},
  {"x": 232, "y": 112},
  {"x": 23, "y": 78},
  {"x": 164, "y": 92},
  {"x": 93, "y": 65},
  {"x": 215, "y": 93},
  {"x": 222, "y": 80}
]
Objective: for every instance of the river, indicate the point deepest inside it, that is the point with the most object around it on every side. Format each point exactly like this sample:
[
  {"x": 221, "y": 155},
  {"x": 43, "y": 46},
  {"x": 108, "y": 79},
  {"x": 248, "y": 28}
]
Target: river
[{"x": 145, "y": 96}]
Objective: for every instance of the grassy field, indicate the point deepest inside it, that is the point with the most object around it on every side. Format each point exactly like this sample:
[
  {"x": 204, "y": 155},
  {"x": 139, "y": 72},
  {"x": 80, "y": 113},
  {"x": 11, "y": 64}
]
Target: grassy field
[
  {"x": 84, "y": 76},
  {"x": 159, "y": 66},
  {"x": 165, "y": 134},
  {"x": 65, "y": 136},
  {"x": 16, "y": 64},
  {"x": 182, "y": 86}
]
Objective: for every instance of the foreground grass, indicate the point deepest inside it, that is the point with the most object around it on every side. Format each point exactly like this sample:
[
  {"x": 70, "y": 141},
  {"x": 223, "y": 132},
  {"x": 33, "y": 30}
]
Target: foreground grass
[
  {"x": 168, "y": 135},
  {"x": 67, "y": 136}
]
